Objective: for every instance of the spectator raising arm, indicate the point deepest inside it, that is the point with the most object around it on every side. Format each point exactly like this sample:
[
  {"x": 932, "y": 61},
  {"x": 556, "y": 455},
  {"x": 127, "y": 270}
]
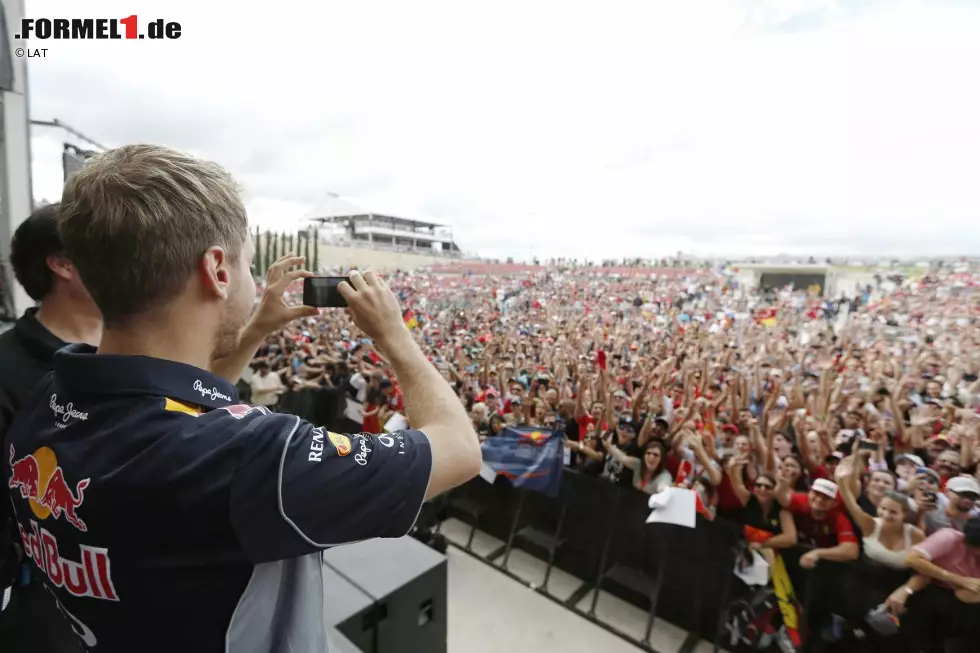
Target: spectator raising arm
[{"x": 849, "y": 487}]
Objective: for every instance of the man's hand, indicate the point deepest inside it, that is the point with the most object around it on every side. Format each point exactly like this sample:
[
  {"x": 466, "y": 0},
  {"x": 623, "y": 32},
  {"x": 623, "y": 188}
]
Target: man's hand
[
  {"x": 896, "y": 601},
  {"x": 373, "y": 307},
  {"x": 810, "y": 559},
  {"x": 971, "y": 585},
  {"x": 273, "y": 313}
]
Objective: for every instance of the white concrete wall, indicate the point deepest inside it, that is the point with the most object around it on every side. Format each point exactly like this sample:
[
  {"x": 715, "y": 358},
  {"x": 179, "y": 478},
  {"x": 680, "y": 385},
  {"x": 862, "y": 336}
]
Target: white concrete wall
[{"x": 375, "y": 259}]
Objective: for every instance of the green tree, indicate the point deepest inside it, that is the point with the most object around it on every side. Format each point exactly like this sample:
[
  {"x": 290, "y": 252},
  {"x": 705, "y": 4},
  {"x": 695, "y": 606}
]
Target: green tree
[
  {"x": 257, "y": 259},
  {"x": 316, "y": 250}
]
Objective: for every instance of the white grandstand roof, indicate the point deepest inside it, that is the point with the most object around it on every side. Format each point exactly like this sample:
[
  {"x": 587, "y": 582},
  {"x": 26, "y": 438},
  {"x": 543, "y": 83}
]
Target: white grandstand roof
[{"x": 334, "y": 206}]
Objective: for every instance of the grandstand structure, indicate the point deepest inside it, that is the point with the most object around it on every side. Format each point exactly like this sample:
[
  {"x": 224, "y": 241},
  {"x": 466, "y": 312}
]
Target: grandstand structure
[
  {"x": 347, "y": 223},
  {"x": 833, "y": 281}
]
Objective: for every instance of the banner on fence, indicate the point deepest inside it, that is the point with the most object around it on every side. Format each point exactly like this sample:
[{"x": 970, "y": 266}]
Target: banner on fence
[{"x": 528, "y": 457}]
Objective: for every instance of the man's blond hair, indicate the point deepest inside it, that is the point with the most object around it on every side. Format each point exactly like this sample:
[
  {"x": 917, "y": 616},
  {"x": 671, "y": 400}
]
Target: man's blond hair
[{"x": 136, "y": 221}]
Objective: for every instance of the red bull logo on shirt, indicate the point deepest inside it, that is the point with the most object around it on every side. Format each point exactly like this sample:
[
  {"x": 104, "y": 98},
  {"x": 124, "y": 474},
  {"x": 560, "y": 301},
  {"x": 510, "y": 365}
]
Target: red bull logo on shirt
[
  {"x": 89, "y": 578},
  {"x": 41, "y": 481},
  {"x": 39, "y": 478}
]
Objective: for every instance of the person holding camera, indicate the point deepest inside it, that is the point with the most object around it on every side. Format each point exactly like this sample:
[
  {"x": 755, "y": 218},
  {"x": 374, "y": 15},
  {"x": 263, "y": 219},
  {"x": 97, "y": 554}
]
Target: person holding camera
[
  {"x": 962, "y": 493},
  {"x": 163, "y": 514}
]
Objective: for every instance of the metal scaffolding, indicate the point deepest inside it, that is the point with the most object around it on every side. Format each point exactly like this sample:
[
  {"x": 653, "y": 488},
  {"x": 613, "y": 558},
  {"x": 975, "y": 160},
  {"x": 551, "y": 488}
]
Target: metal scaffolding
[{"x": 16, "y": 201}]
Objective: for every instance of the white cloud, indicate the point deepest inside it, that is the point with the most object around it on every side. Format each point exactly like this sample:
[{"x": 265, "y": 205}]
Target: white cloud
[{"x": 750, "y": 126}]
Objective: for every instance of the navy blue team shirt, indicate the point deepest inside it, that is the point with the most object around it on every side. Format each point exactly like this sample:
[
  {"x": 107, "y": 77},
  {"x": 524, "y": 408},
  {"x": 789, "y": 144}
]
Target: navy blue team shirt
[{"x": 166, "y": 516}]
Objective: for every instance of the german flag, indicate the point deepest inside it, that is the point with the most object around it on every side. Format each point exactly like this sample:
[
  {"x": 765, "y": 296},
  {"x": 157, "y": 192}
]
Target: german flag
[{"x": 409, "y": 317}]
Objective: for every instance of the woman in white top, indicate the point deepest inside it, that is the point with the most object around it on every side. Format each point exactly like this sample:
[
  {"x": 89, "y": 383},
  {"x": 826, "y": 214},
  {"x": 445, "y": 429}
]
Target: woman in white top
[
  {"x": 649, "y": 474},
  {"x": 887, "y": 538}
]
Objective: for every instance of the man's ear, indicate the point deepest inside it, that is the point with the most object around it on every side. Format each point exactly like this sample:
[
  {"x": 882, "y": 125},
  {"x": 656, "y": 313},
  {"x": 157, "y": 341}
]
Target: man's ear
[
  {"x": 61, "y": 266},
  {"x": 215, "y": 272}
]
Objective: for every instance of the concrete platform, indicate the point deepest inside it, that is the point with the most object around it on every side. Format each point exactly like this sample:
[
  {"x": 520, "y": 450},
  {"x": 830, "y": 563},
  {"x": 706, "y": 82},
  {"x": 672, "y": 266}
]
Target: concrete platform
[{"x": 490, "y": 612}]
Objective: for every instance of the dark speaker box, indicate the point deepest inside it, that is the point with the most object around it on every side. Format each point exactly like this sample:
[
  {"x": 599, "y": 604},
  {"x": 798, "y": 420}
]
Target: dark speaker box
[
  {"x": 407, "y": 582},
  {"x": 347, "y": 609}
]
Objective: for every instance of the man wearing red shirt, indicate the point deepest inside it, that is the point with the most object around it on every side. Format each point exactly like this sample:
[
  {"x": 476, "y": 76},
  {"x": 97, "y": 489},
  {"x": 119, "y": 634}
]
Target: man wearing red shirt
[
  {"x": 820, "y": 525},
  {"x": 396, "y": 400}
]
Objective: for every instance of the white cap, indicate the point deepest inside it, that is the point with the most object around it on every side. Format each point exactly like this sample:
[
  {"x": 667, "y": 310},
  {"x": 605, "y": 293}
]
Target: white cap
[
  {"x": 825, "y": 487},
  {"x": 910, "y": 457},
  {"x": 961, "y": 484}
]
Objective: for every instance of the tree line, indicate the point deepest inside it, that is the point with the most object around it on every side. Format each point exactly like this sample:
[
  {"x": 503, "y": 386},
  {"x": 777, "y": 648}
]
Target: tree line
[{"x": 270, "y": 246}]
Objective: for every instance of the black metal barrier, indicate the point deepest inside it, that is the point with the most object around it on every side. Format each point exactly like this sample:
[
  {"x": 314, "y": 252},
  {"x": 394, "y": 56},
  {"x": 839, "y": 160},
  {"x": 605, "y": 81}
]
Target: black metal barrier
[{"x": 597, "y": 531}]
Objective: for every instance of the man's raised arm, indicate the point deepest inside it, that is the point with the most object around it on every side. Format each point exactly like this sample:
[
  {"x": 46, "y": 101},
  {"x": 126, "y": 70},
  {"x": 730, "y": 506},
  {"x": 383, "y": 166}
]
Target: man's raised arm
[{"x": 431, "y": 403}]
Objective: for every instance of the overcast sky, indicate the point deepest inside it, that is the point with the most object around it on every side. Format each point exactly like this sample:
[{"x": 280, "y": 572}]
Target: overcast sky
[{"x": 593, "y": 129}]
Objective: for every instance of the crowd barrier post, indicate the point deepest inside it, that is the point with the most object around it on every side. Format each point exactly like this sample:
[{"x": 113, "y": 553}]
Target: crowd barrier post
[
  {"x": 658, "y": 581},
  {"x": 556, "y": 539},
  {"x": 724, "y": 611},
  {"x": 604, "y": 557},
  {"x": 513, "y": 527}
]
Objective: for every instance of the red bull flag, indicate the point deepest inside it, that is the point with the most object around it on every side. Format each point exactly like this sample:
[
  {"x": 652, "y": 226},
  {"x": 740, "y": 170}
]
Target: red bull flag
[{"x": 530, "y": 458}]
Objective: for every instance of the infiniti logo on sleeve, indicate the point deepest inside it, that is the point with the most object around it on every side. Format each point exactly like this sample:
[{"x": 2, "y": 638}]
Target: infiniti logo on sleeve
[{"x": 211, "y": 393}]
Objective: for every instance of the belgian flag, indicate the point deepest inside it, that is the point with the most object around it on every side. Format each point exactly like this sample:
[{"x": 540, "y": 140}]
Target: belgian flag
[{"x": 410, "y": 321}]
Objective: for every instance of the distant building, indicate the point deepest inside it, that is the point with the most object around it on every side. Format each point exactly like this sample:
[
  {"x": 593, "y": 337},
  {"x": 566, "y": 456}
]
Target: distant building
[
  {"x": 831, "y": 280},
  {"x": 346, "y": 223}
]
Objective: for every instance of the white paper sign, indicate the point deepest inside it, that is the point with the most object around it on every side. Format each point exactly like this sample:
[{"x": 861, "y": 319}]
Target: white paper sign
[
  {"x": 755, "y": 574},
  {"x": 396, "y": 422},
  {"x": 674, "y": 505}
]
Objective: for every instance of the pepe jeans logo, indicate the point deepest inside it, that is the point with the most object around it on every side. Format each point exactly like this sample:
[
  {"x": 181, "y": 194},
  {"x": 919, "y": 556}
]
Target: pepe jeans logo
[
  {"x": 211, "y": 393},
  {"x": 65, "y": 413},
  {"x": 361, "y": 457}
]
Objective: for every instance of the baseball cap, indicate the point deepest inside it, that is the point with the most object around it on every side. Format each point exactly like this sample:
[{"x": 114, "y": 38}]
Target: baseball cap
[
  {"x": 825, "y": 487},
  {"x": 834, "y": 455},
  {"x": 910, "y": 458},
  {"x": 931, "y": 473},
  {"x": 963, "y": 485},
  {"x": 942, "y": 437}
]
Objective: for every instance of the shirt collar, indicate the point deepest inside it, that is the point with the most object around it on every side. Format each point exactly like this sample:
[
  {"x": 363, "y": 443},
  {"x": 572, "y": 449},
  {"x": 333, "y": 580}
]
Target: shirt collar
[
  {"x": 36, "y": 338},
  {"x": 80, "y": 368}
]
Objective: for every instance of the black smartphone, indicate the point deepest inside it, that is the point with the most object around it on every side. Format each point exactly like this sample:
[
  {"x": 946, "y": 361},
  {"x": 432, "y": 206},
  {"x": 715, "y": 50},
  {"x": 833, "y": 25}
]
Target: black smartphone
[
  {"x": 323, "y": 293},
  {"x": 868, "y": 445},
  {"x": 929, "y": 496}
]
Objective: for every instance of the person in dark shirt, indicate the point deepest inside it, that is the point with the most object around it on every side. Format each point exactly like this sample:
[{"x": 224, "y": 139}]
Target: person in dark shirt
[
  {"x": 66, "y": 314},
  {"x": 163, "y": 514}
]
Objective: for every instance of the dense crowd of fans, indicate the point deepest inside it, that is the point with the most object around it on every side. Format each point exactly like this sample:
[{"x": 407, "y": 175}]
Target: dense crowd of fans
[{"x": 836, "y": 429}]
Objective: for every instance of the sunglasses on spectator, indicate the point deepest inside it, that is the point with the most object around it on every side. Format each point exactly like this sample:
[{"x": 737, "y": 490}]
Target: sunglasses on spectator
[
  {"x": 764, "y": 486},
  {"x": 973, "y": 496}
]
